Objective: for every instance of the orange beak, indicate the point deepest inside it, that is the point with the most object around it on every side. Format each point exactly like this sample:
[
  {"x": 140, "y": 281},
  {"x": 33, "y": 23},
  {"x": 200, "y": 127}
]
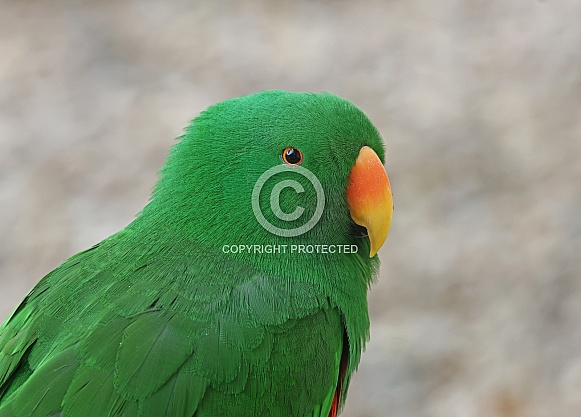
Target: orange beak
[{"x": 369, "y": 197}]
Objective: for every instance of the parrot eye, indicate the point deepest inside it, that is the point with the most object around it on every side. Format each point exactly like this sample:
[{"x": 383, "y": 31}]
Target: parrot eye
[{"x": 292, "y": 156}]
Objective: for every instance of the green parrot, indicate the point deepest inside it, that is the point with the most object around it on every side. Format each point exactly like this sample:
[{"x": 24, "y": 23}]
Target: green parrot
[{"x": 220, "y": 298}]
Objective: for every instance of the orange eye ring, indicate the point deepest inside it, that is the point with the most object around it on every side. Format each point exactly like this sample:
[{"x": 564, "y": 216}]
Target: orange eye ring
[{"x": 292, "y": 156}]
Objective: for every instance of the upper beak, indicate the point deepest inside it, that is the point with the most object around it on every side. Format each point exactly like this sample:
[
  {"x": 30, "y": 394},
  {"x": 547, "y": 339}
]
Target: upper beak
[{"x": 369, "y": 197}]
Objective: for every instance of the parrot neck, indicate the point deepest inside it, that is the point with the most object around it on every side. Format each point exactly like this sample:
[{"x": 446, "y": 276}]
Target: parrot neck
[{"x": 306, "y": 257}]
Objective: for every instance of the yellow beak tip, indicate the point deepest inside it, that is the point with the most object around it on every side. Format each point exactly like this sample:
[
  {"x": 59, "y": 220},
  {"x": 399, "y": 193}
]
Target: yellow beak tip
[{"x": 369, "y": 197}]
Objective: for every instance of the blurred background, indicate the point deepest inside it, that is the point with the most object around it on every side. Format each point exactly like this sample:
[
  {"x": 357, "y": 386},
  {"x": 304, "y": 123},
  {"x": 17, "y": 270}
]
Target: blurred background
[{"x": 477, "y": 311}]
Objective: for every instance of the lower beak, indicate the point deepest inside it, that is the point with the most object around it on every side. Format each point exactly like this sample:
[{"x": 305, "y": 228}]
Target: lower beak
[{"x": 369, "y": 197}]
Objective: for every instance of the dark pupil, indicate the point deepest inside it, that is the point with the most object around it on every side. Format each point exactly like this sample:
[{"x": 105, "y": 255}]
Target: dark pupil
[{"x": 293, "y": 156}]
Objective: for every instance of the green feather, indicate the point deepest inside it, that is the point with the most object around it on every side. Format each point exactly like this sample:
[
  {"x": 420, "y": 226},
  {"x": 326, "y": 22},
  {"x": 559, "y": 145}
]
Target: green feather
[
  {"x": 43, "y": 394},
  {"x": 179, "y": 396},
  {"x": 153, "y": 347},
  {"x": 99, "y": 349},
  {"x": 91, "y": 394}
]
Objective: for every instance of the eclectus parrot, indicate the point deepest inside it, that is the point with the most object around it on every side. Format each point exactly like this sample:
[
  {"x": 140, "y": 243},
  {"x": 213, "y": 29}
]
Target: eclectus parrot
[{"x": 197, "y": 308}]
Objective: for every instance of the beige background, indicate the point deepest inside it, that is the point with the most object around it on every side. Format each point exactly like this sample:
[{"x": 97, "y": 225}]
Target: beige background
[{"x": 478, "y": 309}]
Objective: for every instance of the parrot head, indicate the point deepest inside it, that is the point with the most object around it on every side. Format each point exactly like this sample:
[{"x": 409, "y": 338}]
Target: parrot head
[{"x": 293, "y": 170}]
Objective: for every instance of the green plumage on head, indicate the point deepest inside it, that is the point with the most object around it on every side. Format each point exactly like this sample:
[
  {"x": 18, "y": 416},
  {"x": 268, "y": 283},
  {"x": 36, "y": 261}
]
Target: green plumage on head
[{"x": 202, "y": 307}]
